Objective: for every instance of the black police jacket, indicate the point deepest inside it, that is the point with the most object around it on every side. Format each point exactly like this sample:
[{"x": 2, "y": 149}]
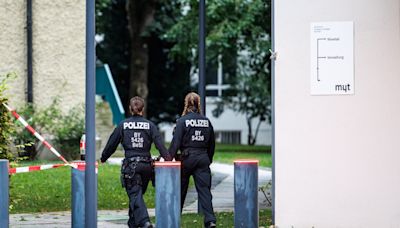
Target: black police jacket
[
  {"x": 193, "y": 133},
  {"x": 136, "y": 134}
]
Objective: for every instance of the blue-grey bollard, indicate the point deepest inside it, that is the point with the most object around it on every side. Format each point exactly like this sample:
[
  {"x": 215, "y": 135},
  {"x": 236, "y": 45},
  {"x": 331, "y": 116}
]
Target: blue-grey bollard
[
  {"x": 4, "y": 193},
  {"x": 246, "y": 193},
  {"x": 168, "y": 194},
  {"x": 78, "y": 195}
]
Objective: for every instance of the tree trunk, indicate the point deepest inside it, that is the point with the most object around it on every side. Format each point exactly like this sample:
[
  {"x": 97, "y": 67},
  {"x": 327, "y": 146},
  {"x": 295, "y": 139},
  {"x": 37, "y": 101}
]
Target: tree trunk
[
  {"x": 257, "y": 129},
  {"x": 250, "y": 138},
  {"x": 140, "y": 16}
]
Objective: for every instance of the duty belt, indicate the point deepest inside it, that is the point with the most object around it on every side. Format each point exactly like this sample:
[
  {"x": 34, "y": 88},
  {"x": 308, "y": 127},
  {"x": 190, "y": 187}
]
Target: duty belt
[
  {"x": 193, "y": 152},
  {"x": 138, "y": 159},
  {"x": 132, "y": 163}
]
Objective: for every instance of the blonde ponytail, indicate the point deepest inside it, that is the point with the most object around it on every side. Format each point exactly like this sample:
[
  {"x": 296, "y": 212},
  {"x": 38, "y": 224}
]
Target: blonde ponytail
[{"x": 192, "y": 103}]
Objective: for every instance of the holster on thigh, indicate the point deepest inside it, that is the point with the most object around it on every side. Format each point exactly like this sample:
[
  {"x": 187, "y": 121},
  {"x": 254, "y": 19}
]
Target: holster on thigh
[
  {"x": 131, "y": 181},
  {"x": 128, "y": 173}
]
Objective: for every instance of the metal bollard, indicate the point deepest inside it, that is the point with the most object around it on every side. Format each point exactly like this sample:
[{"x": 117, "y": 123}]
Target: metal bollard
[
  {"x": 4, "y": 193},
  {"x": 168, "y": 194},
  {"x": 78, "y": 195},
  {"x": 246, "y": 193}
]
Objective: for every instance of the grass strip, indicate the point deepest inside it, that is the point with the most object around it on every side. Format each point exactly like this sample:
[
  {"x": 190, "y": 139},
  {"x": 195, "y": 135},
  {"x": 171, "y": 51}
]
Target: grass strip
[
  {"x": 224, "y": 219},
  {"x": 265, "y": 159},
  {"x": 50, "y": 190}
]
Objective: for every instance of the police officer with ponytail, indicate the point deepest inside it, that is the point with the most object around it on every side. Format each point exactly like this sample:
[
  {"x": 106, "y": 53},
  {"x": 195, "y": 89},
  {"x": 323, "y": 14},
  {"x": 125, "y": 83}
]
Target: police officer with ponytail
[
  {"x": 194, "y": 137},
  {"x": 136, "y": 134}
]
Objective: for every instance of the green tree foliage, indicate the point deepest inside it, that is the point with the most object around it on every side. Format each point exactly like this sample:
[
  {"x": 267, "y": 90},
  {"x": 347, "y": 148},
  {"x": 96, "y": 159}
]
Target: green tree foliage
[
  {"x": 6, "y": 124},
  {"x": 234, "y": 28},
  {"x": 230, "y": 24},
  {"x": 167, "y": 80},
  {"x": 65, "y": 129},
  {"x": 42, "y": 120},
  {"x": 252, "y": 98},
  {"x": 239, "y": 30}
]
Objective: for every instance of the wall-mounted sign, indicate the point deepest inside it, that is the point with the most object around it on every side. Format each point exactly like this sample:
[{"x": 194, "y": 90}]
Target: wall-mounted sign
[{"x": 332, "y": 61}]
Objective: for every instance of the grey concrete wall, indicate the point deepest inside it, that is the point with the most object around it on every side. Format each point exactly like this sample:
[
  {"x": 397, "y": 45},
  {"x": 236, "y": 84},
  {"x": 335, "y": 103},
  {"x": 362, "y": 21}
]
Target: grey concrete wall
[{"x": 58, "y": 50}]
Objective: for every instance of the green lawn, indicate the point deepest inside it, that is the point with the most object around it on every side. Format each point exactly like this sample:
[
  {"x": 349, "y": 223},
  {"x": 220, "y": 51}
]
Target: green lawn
[
  {"x": 224, "y": 219},
  {"x": 265, "y": 159},
  {"x": 50, "y": 190},
  {"x": 242, "y": 148},
  {"x": 41, "y": 191},
  {"x": 228, "y": 153}
]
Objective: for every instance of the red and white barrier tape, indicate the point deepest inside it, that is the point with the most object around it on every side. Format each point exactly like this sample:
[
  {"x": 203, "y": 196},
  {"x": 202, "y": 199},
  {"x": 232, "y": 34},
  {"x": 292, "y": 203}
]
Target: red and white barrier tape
[
  {"x": 82, "y": 166},
  {"x": 33, "y": 168},
  {"x": 35, "y": 133},
  {"x": 77, "y": 165}
]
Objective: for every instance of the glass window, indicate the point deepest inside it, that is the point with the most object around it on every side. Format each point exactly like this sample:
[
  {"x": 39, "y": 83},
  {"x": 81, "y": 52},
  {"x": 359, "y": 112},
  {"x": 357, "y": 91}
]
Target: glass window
[{"x": 228, "y": 137}]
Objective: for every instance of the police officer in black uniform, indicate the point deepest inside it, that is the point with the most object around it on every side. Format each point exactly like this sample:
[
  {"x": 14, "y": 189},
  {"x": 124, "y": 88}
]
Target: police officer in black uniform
[
  {"x": 136, "y": 135},
  {"x": 194, "y": 137}
]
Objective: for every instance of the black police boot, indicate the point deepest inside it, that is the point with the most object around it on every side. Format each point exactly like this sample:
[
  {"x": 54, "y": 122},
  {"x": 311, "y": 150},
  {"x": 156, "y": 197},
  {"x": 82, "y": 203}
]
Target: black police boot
[
  {"x": 147, "y": 225},
  {"x": 211, "y": 225}
]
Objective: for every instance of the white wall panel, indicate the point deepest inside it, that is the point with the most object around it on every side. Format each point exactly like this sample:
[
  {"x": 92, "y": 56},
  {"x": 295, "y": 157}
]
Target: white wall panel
[{"x": 337, "y": 158}]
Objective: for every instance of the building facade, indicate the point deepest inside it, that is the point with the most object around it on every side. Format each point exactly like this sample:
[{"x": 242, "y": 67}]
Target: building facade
[
  {"x": 230, "y": 127},
  {"x": 58, "y": 51}
]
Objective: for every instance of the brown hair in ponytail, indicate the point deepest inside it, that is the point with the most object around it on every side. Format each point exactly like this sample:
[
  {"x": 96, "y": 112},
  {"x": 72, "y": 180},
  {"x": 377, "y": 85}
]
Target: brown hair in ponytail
[
  {"x": 192, "y": 103},
  {"x": 136, "y": 105}
]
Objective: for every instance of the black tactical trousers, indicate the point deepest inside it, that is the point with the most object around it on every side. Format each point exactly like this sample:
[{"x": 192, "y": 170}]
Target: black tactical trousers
[
  {"x": 198, "y": 165},
  {"x": 135, "y": 188}
]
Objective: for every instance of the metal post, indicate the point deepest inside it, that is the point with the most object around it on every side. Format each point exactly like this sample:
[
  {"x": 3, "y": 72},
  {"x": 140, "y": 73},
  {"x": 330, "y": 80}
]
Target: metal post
[
  {"x": 168, "y": 194},
  {"x": 90, "y": 176},
  {"x": 273, "y": 106},
  {"x": 246, "y": 193},
  {"x": 202, "y": 66},
  {"x": 4, "y": 194},
  {"x": 29, "y": 50},
  {"x": 78, "y": 196},
  {"x": 202, "y": 55}
]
